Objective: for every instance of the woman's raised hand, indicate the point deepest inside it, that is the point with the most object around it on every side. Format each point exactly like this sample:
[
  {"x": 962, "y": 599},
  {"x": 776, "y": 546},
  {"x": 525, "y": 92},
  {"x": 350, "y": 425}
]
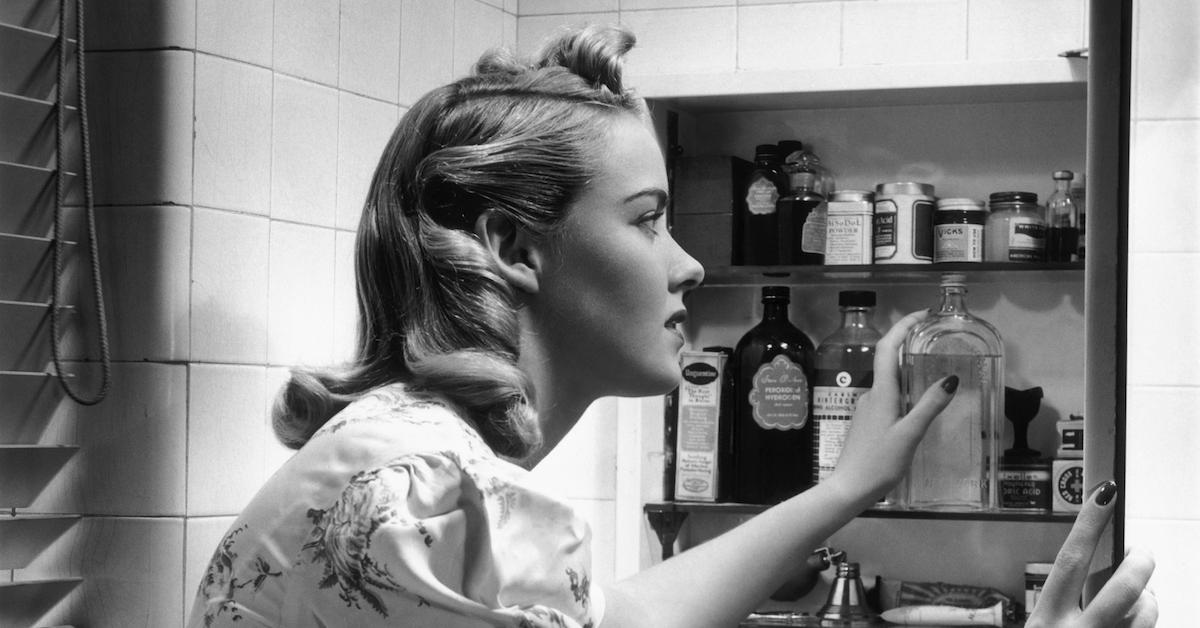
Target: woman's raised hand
[
  {"x": 1124, "y": 601},
  {"x": 880, "y": 446}
]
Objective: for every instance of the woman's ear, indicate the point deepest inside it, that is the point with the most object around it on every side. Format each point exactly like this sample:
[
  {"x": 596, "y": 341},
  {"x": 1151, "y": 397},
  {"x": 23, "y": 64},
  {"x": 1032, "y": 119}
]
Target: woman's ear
[{"x": 513, "y": 250}]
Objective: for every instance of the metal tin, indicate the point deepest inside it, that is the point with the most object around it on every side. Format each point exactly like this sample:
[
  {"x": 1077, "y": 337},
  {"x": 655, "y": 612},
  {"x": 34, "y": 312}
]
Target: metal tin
[
  {"x": 903, "y": 228},
  {"x": 849, "y": 228},
  {"x": 958, "y": 230}
]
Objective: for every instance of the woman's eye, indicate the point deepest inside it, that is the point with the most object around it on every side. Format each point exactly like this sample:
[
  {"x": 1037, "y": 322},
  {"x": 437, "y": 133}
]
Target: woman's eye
[{"x": 653, "y": 221}]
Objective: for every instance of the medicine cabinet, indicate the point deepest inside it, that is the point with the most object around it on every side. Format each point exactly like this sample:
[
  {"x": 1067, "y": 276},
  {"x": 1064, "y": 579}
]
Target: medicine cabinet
[{"x": 969, "y": 129}]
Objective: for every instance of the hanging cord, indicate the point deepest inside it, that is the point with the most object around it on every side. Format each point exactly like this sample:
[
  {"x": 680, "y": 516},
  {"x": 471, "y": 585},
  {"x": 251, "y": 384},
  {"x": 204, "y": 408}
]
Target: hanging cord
[{"x": 60, "y": 201}]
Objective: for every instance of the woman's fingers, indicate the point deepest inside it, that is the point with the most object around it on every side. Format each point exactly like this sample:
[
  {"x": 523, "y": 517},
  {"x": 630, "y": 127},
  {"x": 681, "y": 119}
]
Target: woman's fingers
[
  {"x": 1125, "y": 594},
  {"x": 887, "y": 350},
  {"x": 1064, "y": 586},
  {"x": 932, "y": 402}
]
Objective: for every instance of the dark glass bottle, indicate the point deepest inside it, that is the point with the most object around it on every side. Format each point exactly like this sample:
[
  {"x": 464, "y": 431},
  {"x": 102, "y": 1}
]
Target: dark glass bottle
[
  {"x": 772, "y": 430},
  {"x": 802, "y": 220},
  {"x": 1062, "y": 220},
  {"x": 725, "y": 423},
  {"x": 760, "y": 222}
]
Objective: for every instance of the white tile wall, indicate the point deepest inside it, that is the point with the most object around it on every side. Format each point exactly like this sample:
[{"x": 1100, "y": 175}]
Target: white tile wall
[
  {"x": 142, "y": 142},
  {"x": 249, "y": 38},
  {"x": 1024, "y": 29},
  {"x": 364, "y": 127},
  {"x": 233, "y": 135},
  {"x": 904, "y": 31},
  {"x": 304, "y": 152},
  {"x": 306, "y": 39},
  {"x": 426, "y": 47},
  {"x": 478, "y": 27},
  {"x": 370, "y": 48},
  {"x": 345, "y": 298},
  {"x": 229, "y": 287},
  {"x": 789, "y": 36},
  {"x": 1162, "y": 478},
  {"x": 300, "y": 288},
  {"x": 547, "y": 7},
  {"x": 683, "y": 41},
  {"x": 533, "y": 31},
  {"x": 202, "y": 535},
  {"x": 223, "y": 473},
  {"x": 642, "y": 5}
]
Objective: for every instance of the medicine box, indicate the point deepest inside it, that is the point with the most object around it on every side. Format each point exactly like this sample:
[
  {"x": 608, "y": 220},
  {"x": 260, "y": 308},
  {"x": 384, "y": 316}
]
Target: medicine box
[
  {"x": 697, "y": 473},
  {"x": 1066, "y": 485},
  {"x": 1070, "y": 438}
]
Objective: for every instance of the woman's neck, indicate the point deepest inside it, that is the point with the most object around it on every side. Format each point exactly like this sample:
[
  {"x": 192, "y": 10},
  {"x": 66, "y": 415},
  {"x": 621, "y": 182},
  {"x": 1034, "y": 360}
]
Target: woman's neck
[{"x": 559, "y": 403}]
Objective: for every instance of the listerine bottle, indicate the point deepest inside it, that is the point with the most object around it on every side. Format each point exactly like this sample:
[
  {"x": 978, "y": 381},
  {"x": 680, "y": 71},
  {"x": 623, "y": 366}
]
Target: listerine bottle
[
  {"x": 845, "y": 370},
  {"x": 772, "y": 431},
  {"x": 955, "y": 464}
]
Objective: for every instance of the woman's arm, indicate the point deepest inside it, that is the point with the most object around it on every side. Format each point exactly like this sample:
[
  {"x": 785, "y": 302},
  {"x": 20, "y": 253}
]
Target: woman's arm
[{"x": 719, "y": 582}]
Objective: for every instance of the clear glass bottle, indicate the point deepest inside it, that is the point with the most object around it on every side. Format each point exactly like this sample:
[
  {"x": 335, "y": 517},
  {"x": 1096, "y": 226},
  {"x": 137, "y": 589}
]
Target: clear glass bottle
[
  {"x": 760, "y": 220},
  {"x": 1079, "y": 193},
  {"x": 1062, "y": 220},
  {"x": 772, "y": 433},
  {"x": 845, "y": 370},
  {"x": 955, "y": 464}
]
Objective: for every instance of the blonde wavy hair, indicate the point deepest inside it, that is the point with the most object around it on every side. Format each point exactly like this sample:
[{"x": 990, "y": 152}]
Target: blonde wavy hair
[{"x": 519, "y": 137}]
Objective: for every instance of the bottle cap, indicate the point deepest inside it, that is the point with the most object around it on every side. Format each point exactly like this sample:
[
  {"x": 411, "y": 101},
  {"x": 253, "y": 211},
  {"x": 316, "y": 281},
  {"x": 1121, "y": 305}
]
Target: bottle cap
[
  {"x": 960, "y": 204},
  {"x": 954, "y": 279},
  {"x": 905, "y": 187},
  {"x": 776, "y": 293},
  {"x": 1063, "y": 174},
  {"x": 1012, "y": 197},
  {"x": 787, "y": 147},
  {"x": 856, "y": 298},
  {"x": 766, "y": 152}
]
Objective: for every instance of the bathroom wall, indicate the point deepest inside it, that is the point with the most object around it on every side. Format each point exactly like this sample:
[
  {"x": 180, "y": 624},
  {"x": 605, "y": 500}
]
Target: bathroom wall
[
  {"x": 233, "y": 141},
  {"x": 1163, "y": 475}
]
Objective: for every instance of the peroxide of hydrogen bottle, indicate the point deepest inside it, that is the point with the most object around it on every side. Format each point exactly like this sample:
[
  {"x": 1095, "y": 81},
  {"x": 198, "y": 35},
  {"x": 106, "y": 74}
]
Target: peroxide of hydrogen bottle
[
  {"x": 772, "y": 430},
  {"x": 955, "y": 465},
  {"x": 845, "y": 370}
]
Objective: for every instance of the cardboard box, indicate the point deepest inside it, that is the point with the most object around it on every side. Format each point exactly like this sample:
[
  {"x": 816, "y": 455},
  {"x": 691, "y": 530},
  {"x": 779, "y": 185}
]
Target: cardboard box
[
  {"x": 709, "y": 195},
  {"x": 1066, "y": 485},
  {"x": 697, "y": 440},
  {"x": 1070, "y": 438}
]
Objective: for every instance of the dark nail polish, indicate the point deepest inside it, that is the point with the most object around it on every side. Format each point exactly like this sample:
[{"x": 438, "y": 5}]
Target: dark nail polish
[
  {"x": 950, "y": 384},
  {"x": 1106, "y": 492}
]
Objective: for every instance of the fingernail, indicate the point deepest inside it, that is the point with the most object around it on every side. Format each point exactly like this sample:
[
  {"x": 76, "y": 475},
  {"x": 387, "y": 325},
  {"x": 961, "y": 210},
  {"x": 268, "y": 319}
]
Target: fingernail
[
  {"x": 1106, "y": 492},
  {"x": 950, "y": 384}
]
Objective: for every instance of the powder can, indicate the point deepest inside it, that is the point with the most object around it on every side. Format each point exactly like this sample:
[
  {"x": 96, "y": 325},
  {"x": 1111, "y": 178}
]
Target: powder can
[
  {"x": 1036, "y": 575},
  {"x": 1024, "y": 486},
  {"x": 903, "y": 223},
  {"x": 698, "y": 439},
  {"x": 958, "y": 230},
  {"x": 849, "y": 228}
]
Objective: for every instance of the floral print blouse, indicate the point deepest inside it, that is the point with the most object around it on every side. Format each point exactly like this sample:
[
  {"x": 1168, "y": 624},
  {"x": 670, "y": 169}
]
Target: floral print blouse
[{"x": 397, "y": 514}]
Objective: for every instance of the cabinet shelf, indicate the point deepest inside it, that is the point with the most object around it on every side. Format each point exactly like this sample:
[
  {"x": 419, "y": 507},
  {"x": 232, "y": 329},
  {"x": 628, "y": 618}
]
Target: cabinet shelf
[
  {"x": 725, "y": 508},
  {"x": 987, "y": 272}
]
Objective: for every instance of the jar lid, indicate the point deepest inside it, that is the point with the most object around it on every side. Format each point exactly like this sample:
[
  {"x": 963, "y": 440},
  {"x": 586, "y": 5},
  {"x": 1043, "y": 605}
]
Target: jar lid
[
  {"x": 856, "y": 298},
  {"x": 1012, "y": 197},
  {"x": 1038, "y": 569},
  {"x": 776, "y": 293},
  {"x": 766, "y": 152},
  {"x": 853, "y": 195},
  {"x": 960, "y": 204},
  {"x": 905, "y": 187}
]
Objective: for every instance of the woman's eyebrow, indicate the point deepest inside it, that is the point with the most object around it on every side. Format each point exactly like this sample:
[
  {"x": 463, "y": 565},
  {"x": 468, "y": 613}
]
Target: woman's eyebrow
[{"x": 659, "y": 194}]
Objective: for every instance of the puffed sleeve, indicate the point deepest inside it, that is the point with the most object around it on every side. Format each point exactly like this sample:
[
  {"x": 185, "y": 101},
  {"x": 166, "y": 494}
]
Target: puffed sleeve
[{"x": 447, "y": 539}]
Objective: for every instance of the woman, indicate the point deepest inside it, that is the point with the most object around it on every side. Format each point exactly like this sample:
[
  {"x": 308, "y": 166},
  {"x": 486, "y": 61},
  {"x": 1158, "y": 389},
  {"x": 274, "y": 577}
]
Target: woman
[{"x": 513, "y": 267}]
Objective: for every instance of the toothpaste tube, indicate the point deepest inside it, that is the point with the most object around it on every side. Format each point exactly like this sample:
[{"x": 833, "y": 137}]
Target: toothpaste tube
[{"x": 934, "y": 615}]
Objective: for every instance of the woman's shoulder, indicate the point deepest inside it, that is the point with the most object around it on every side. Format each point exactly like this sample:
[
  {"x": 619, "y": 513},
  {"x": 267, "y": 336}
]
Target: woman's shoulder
[{"x": 403, "y": 422}]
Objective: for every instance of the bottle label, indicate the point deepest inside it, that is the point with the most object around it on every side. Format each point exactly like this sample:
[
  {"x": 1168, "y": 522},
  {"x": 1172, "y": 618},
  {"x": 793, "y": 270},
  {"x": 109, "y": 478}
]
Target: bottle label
[
  {"x": 1026, "y": 240},
  {"x": 779, "y": 395},
  {"x": 761, "y": 196},
  {"x": 958, "y": 243},
  {"x": 812, "y": 236},
  {"x": 835, "y": 395},
  {"x": 885, "y": 230}
]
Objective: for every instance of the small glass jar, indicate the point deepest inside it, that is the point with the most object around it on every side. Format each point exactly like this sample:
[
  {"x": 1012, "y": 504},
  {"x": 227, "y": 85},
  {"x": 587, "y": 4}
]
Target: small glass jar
[
  {"x": 958, "y": 230},
  {"x": 1016, "y": 228},
  {"x": 1035, "y": 580}
]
